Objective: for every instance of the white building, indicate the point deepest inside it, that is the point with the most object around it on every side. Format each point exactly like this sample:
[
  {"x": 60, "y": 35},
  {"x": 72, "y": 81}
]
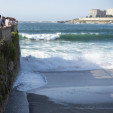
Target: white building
[
  {"x": 109, "y": 12},
  {"x": 97, "y": 13}
]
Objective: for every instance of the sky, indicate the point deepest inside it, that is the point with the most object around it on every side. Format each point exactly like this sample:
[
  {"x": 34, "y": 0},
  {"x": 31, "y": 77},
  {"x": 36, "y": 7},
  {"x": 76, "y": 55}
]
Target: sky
[{"x": 50, "y": 10}]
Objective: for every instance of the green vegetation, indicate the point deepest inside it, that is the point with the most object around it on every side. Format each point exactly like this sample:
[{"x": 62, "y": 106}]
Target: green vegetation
[
  {"x": 3, "y": 90},
  {"x": 0, "y": 98},
  {"x": 9, "y": 50},
  {"x": 8, "y": 55},
  {"x": 2, "y": 64}
]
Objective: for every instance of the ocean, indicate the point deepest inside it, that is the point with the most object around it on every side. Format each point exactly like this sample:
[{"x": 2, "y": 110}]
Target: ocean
[{"x": 49, "y": 47}]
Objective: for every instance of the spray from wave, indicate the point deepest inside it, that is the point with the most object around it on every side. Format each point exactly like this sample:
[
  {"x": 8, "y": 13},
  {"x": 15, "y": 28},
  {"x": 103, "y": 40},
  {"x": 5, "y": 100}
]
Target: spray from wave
[{"x": 28, "y": 78}]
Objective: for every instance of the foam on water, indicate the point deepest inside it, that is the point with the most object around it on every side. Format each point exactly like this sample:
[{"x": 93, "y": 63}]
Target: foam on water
[
  {"x": 53, "y": 36},
  {"x": 62, "y": 55},
  {"x": 69, "y": 57},
  {"x": 41, "y": 36},
  {"x": 28, "y": 81},
  {"x": 85, "y": 62},
  {"x": 29, "y": 77}
]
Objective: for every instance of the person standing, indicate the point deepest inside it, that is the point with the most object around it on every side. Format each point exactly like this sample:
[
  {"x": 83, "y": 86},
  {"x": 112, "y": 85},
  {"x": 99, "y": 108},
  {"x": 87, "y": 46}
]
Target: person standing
[
  {"x": 3, "y": 21},
  {"x": 7, "y": 22},
  {"x": 0, "y": 21}
]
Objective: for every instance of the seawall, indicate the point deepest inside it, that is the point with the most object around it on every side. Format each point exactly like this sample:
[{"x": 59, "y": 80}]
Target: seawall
[{"x": 9, "y": 61}]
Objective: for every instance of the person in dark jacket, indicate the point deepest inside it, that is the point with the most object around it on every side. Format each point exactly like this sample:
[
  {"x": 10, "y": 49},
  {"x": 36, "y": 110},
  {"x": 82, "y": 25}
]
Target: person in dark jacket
[
  {"x": 3, "y": 21},
  {"x": 0, "y": 20}
]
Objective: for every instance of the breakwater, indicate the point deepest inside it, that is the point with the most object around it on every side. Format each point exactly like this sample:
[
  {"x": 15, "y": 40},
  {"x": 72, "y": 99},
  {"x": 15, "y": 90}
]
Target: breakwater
[{"x": 9, "y": 61}]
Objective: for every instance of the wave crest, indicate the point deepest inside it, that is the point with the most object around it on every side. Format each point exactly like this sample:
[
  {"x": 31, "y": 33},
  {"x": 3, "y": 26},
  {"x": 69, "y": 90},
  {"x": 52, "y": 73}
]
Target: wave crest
[
  {"x": 41, "y": 36},
  {"x": 70, "y": 37}
]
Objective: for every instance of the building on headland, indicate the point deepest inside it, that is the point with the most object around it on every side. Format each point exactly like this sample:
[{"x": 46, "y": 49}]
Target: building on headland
[
  {"x": 96, "y": 16},
  {"x": 97, "y": 13},
  {"x": 101, "y": 13},
  {"x": 109, "y": 12}
]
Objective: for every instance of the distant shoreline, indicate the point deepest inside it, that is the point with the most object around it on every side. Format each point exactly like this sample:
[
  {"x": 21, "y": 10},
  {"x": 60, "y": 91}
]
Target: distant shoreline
[{"x": 89, "y": 21}]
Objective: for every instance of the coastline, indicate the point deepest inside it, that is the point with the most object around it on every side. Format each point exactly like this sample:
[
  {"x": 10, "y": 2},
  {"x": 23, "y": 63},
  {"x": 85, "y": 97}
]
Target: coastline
[
  {"x": 77, "y": 91},
  {"x": 42, "y": 104},
  {"x": 67, "y": 92},
  {"x": 99, "y": 20}
]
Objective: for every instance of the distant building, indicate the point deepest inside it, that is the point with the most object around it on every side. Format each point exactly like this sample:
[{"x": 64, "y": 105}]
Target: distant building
[
  {"x": 97, "y": 13},
  {"x": 109, "y": 12}
]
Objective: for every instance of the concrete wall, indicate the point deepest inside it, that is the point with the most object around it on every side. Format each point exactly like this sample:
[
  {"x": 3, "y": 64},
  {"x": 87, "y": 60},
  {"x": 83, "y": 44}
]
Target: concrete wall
[{"x": 5, "y": 32}]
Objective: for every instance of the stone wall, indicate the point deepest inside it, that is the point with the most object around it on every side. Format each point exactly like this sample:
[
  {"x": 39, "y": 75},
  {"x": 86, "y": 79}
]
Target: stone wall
[
  {"x": 5, "y": 32},
  {"x": 9, "y": 61}
]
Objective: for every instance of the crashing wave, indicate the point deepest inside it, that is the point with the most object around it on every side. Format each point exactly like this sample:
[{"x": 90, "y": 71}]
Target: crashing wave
[
  {"x": 67, "y": 36},
  {"x": 41, "y": 36}
]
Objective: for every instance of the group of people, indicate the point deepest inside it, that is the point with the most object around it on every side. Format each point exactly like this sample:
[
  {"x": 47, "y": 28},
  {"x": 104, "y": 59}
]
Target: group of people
[{"x": 7, "y": 21}]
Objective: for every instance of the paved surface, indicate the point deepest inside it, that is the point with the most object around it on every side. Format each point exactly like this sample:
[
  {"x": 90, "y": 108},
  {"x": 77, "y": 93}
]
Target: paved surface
[
  {"x": 41, "y": 104},
  {"x": 17, "y": 103},
  {"x": 74, "y": 92},
  {"x": 67, "y": 92}
]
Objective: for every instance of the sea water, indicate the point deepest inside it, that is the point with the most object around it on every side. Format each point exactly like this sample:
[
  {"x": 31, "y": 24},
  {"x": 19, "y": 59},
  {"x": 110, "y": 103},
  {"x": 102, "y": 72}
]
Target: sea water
[{"x": 62, "y": 47}]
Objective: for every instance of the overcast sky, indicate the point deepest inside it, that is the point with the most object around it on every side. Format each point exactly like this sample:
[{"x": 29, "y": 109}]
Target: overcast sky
[{"x": 50, "y": 10}]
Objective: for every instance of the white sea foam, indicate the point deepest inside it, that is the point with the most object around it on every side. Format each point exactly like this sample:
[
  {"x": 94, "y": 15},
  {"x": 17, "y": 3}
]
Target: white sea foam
[
  {"x": 41, "y": 36},
  {"x": 67, "y": 63},
  {"x": 30, "y": 78},
  {"x": 50, "y": 36},
  {"x": 27, "y": 78},
  {"x": 39, "y": 56},
  {"x": 28, "y": 81}
]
